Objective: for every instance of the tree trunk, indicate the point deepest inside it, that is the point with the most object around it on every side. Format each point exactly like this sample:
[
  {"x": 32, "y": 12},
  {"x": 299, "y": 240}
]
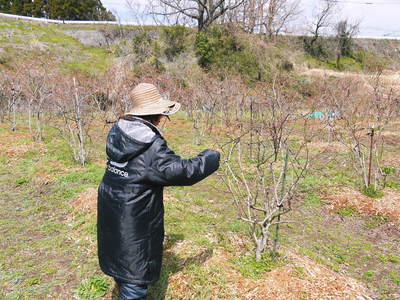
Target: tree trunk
[
  {"x": 30, "y": 117},
  {"x": 200, "y": 19},
  {"x": 262, "y": 242},
  {"x": 39, "y": 135},
  {"x": 81, "y": 136},
  {"x": 14, "y": 116}
]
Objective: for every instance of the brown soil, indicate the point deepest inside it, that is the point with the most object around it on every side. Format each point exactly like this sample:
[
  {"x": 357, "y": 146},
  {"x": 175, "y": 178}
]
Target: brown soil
[{"x": 388, "y": 205}]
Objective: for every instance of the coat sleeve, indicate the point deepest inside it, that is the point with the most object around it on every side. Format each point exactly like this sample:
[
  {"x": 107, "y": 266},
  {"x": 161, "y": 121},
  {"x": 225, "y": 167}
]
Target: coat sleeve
[{"x": 168, "y": 169}]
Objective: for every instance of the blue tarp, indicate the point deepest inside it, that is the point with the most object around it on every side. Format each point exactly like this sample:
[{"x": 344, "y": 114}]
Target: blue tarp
[{"x": 316, "y": 115}]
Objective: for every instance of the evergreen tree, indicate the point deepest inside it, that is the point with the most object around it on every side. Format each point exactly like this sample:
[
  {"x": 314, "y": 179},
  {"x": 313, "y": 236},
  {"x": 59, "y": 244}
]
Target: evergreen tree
[
  {"x": 5, "y": 6},
  {"x": 20, "y": 7},
  {"x": 78, "y": 10},
  {"x": 58, "y": 9},
  {"x": 38, "y": 8}
]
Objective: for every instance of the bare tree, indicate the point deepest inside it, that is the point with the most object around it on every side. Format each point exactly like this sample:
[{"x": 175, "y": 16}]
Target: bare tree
[
  {"x": 73, "y": 115},
  {"x": 265, "y": 163},
  {"x": 202, "y": 106},
  {"x": 37, "y": 93},
  {"x": 138, "y": 11},
  {"x": 11, "y": 93},
  {"x": 202, "y": 12},
  {"x": 248, "y": 16},
  {"x": 364, "y": 112},
  {"x": 278, "y": 15},
  {"x": 3, "y": 97},
  {"x": 322, "y": 19}
]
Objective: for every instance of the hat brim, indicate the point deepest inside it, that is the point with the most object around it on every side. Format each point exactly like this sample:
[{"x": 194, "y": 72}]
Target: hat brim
[{"x": 161, "y": 107}]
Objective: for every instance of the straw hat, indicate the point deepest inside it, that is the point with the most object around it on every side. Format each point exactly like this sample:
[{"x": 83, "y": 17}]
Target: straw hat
[{"x": 148, "y": 101}]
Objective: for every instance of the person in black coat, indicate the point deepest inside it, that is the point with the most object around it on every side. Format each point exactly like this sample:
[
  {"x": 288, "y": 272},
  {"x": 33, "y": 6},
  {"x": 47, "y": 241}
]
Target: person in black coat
[{"x": 130, "y": 225}]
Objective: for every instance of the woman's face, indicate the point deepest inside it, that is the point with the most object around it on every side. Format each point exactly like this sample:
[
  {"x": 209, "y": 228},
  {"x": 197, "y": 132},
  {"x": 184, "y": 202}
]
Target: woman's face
[{"x": 159, "y": 119}]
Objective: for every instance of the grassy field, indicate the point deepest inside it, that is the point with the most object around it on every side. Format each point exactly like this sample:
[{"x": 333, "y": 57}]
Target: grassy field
[
  {"x": 48, "y": 219},
  {"x": 22, "y": 41}
]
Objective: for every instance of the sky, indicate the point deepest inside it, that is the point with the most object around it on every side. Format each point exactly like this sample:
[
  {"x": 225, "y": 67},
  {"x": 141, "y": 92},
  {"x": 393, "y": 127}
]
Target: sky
[{"x": 378, "y": 18}]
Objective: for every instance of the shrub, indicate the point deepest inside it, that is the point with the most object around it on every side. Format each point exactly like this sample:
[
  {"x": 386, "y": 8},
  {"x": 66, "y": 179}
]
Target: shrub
[
  {"x": 175, "y": 38},
  {"x": 287, "y": 65},
  {"x": 142, "y": 46},
  {"x": 370, "y": 61},
  {"x": 321, "y": 48},
  {"x": 210, "y": 43},
  {"x": 220, "y": 49}
]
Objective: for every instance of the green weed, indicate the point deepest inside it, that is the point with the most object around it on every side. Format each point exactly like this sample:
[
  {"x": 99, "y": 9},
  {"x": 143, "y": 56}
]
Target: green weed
[
  {"x": 312, "y": 199},
  {"x": 237, "y": 226},
  {"x": 94, "y": 288},
  {"x": 372, "y": 191},
  {"x": 391, "y": 184},
  {"x": 250, "y": 268},
  {"x": 346, "y": 211},
  {"x": 395, "y": 278},
  {"x": 369, "y": 275},
  {"x": 22, "y": 181},
  {"x": 13, "y": 296},
  {"x": 393, "y": 259},
  {"x": 376, "y": 221},
  {"x": 32, "y": 281}
]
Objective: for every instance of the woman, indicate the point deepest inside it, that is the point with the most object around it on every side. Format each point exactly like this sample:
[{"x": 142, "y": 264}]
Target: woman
[{"x": 130, "y": 227}]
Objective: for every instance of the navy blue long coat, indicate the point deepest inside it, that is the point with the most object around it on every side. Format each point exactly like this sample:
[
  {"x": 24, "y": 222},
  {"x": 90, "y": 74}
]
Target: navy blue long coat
[{"x": 130, "y": 225}]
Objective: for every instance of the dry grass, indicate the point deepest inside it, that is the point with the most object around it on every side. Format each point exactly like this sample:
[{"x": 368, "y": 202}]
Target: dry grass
[
  {"x": 388, "y": 205},
  {"x": 324, "y": 146},
  {"x": 300, "y": 279},
  {"x": 86, "y": 201},
  {"x": 18, "y": 143}
]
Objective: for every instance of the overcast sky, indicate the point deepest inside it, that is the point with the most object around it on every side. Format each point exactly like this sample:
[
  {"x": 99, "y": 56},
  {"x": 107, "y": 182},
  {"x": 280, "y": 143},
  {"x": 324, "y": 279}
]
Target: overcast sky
[{"x": 378, "y": 17}]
